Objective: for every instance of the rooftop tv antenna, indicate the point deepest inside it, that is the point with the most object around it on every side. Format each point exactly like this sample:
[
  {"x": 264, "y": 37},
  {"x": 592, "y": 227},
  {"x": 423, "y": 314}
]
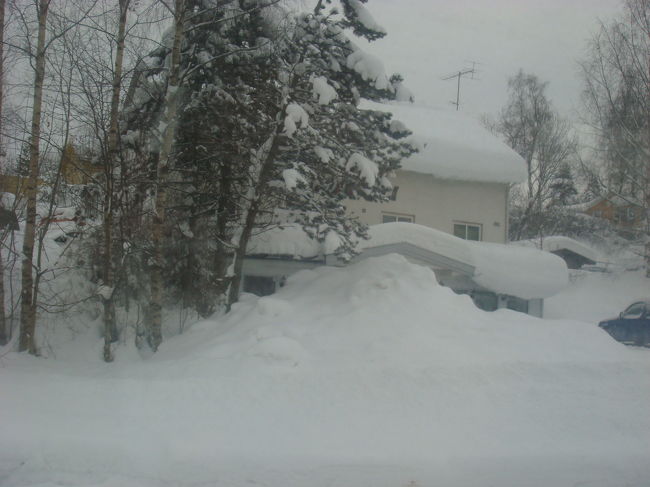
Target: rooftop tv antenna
[{"x": 462, "y": 73}]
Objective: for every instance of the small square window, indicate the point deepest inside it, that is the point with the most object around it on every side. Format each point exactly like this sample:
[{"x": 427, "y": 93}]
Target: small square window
[{"x": 467, "y": 231}]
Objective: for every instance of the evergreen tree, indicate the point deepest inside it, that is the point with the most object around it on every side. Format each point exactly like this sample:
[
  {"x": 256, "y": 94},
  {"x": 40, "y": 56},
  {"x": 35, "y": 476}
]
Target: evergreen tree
[
  {"x": 563, "y": 190},
  {"x": 268, "y": 117}
]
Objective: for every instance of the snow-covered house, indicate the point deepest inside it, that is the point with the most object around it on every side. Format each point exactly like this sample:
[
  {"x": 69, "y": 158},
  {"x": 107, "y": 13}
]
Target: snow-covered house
[
  {"x": 625, "y": 213},
  {"x": 458, "y": 181},
  {"x": 453, "y": 191}
]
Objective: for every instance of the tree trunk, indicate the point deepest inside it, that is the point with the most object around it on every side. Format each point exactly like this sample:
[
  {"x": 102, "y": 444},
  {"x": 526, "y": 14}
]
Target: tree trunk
[
  {"x": 4, "y": 335},
  {"x": 647, "y": 191},
  {"x": 110, "y": 327},
  {"x": 28, "y": 306},
  {"x": 251, "y": 215},
  {"x": 162, "y": 176}
]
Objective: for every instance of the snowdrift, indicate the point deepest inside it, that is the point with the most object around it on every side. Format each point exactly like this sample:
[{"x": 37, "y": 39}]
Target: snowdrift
[{"x": 367, "y": 375}]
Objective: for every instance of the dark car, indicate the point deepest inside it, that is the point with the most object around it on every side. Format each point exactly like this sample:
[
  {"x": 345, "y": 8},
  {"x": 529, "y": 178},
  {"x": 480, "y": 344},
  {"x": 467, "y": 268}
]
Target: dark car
[{"x": 632, "y": 326}]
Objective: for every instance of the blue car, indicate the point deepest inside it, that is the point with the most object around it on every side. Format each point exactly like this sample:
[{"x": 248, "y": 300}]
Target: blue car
[{"x": 632, "y": 326}]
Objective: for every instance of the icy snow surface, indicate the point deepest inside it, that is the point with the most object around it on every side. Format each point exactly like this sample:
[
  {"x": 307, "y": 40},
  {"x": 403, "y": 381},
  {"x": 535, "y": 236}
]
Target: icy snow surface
[
  {"x": 454, "y": 146},
  {"x": 370, "y": 375}
]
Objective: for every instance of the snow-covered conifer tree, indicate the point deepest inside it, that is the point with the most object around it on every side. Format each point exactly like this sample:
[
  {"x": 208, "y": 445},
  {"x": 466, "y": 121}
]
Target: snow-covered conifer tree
[{"x": 268, "y": 118}]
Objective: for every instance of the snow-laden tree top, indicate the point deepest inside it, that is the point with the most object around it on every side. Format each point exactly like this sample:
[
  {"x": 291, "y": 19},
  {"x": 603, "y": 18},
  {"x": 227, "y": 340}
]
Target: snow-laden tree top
[{"x": 454, "y": 146}]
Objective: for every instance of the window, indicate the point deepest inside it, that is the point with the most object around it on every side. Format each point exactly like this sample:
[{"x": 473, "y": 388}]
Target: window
[
  {"x": 394, "y": 217},
  {"x": 517, "y": 304},
  {"x": 598, "y": 213},
  {"x": 259, "y": 285},
  {"x": 634, "y": 311},
  {"x": 631, "y": 214},
  {"x": 467, "y": 231},
  {"x": 485, "y": 300}
]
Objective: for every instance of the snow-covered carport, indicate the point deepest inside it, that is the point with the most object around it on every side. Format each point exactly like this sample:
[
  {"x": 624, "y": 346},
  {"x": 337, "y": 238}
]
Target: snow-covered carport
[
  {"x": 574, "y": 253},
  {"x": 494, "y": 275}
]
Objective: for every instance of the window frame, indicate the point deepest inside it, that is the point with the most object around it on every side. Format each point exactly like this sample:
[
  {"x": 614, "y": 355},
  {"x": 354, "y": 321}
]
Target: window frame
[
  {"x": 626, "y": 312},
  {"x": 467, "y": 225},
  {"x": 398, "y": 217}
]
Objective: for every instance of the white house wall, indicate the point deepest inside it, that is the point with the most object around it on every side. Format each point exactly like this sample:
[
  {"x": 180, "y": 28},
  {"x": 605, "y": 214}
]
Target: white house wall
[{"x": 438, "y": 204}]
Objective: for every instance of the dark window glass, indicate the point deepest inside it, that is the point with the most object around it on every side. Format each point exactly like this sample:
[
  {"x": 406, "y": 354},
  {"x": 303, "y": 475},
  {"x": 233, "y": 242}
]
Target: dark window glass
[{"x": 259, "y": 285}]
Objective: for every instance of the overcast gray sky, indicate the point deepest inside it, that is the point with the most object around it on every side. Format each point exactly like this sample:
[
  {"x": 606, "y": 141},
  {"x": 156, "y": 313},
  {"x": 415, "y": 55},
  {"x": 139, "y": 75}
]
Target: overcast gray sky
[{"x": 428, "y": 39}]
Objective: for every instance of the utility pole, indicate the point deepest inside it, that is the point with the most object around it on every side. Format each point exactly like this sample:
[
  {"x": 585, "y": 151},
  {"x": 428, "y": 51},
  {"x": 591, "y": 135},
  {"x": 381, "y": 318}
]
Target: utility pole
[{"x": 458, "y": 75}]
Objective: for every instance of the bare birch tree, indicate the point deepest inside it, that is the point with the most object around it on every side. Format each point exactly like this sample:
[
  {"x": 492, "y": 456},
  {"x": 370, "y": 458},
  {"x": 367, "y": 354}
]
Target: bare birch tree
[
  {"x": 529, "y": 124},
  {"x": 4, "y": 335},
  {"x": 166, "y": 131},
  {"x": 28, "y": 305},
  {"x": 616, "y": 77}
]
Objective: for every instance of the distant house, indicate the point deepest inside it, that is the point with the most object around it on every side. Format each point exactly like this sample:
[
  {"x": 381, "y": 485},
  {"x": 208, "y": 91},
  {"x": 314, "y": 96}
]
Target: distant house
[
  {"x": 626, "y": 214},
  {"x": 76, "y": 169},
  {"x": 452, "y": 192}
]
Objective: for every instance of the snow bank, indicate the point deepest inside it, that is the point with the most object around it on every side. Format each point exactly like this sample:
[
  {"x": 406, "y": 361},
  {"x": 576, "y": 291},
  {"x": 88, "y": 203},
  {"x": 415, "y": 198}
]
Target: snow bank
[
  {"x": 454, "y": 146},
  {"x": 597, "y": 296},
  {"x": 369, "y": 375}
]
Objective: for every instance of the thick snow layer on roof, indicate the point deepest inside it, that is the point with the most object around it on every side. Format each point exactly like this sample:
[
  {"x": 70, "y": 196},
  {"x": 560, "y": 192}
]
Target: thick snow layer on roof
[
  {"x": 558, "y": 242},
  {"x": 518, "y": 271},
  {"x": 454, "y": 146},
  {"x": 424, "y": 237},
  {"x": 286, "y": 241},
  {"x": 506, "y": 269}
]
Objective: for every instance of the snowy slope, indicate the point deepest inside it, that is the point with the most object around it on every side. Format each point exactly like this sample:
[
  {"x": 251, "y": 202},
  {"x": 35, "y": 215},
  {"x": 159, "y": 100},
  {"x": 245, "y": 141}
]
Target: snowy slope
[{"x": 370, "y": 375}]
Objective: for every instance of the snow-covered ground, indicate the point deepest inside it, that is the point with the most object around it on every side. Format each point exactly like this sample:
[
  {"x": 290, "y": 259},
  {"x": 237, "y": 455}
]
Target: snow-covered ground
[{"x": 371, "y": 375}]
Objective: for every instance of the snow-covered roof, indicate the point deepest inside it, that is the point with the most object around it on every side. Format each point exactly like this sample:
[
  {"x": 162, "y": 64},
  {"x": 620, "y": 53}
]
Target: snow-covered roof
[
  {"x": 518, "y": 271},
  {"x": 615, "y": 200},
  {"x": 286, "y": 241},
  {"x": 507, "y": 269},
  {"x": 584, "y": 206},
  {"x": 454, "y": 146},
  {"x": 423, "y": 237},
  {"x": 557, "y": 242},
  {"x": 521, "y": 271}
]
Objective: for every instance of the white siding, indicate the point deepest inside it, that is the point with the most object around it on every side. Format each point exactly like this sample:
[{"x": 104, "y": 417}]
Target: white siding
[{"x": 438, "y": 203}]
